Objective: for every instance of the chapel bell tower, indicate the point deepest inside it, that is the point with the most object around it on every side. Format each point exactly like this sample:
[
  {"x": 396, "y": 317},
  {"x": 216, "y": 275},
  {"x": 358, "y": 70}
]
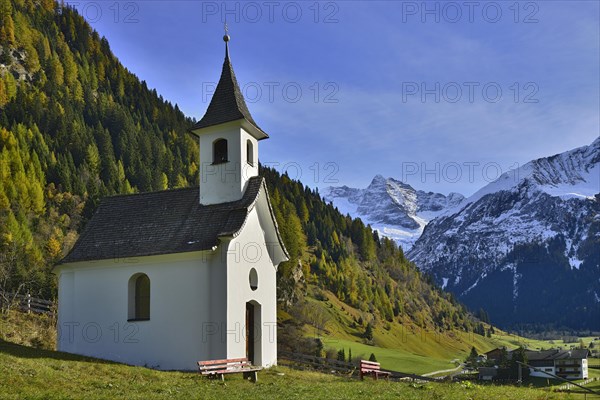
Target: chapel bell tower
[{"x": 228, "y": 139}]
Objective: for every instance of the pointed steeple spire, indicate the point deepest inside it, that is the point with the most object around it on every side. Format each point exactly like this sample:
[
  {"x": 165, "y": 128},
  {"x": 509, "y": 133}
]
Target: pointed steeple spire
[{"x": 227, "y": 103}]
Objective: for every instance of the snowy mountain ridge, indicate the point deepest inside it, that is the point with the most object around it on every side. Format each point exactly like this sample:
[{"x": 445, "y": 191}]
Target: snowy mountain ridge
[
  {"x": 575, "y": 173},
  {"x": 531, "y": 235},
  {"x": 392, "y": 207}
]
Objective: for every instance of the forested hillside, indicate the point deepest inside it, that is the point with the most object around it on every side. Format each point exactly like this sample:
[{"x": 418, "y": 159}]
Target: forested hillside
[
  {"x": 76, "y": 125},
  {"x": 341, "y": 255}
]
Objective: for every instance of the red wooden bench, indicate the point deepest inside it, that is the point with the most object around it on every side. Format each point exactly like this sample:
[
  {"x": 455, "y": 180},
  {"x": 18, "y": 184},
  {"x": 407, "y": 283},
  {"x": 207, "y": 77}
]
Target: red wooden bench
[
  {"x": 372, "y": 368},
  {"x": 218, "y": 368}
]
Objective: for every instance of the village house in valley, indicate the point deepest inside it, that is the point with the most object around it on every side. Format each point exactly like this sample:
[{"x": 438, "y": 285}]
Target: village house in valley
[
  {"x": 567, "y": 364},
  {"x": 166, "y": 279}
]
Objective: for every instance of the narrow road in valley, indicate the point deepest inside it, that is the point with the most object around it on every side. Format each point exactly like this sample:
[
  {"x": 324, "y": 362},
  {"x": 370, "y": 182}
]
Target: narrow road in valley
[{"x": 444, "y": 371}]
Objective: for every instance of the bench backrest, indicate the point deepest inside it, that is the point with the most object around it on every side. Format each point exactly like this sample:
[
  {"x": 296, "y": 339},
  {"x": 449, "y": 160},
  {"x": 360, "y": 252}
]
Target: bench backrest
[
  {"x": 369, "y": 366},
  {"x": 214, "y": 365}
]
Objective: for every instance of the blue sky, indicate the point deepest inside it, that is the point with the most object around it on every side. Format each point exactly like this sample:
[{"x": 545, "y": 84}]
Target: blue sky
[{"x": 443, "y": 95}]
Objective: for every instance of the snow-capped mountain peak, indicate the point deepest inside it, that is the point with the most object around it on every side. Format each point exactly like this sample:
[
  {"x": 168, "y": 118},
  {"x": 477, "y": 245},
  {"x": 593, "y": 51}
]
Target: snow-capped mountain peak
[
  {"x": 574, "y": 173},
  {"x": 526, "y": 245},
  {"x": 392, "y": 207}
]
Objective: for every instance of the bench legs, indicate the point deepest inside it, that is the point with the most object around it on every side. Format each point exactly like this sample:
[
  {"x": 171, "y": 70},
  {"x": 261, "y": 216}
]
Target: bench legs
[
  {"x": 252, "y": 375},
  {"x": 374, "y": 374},
  {"x": 220, "y": 377}
]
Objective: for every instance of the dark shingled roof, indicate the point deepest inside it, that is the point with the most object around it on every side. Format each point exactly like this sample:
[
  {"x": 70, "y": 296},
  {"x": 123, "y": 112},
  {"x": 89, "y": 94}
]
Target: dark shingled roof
[
  {"x": 556, "y": 354},
  {"x": 227, "y": 103},
  {"x": 166, "y": 222}
]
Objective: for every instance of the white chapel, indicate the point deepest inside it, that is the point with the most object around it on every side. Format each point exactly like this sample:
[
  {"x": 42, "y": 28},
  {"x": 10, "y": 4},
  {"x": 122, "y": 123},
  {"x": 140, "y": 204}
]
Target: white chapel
[{"x": 166, "y": 279}]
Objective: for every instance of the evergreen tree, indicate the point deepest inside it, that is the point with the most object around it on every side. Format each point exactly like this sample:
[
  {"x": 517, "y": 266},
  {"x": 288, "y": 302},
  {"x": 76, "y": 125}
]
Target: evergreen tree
[
  {"x": 473, "y": 355},
  {"x": 368, "y": 332},
  {"x": 503, "y": 359},
  {"x": 319, "y": 348},
  {"x": 519, "y": 356}
]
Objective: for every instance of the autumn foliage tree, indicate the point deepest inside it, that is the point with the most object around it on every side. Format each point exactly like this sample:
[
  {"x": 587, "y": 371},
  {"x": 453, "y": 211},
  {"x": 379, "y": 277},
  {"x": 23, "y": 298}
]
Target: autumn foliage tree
[{"x": 75, "y": 126}]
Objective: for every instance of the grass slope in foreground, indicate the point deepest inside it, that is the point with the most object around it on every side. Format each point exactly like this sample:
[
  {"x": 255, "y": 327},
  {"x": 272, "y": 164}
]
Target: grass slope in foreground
[{"x": 29, "y": 373}]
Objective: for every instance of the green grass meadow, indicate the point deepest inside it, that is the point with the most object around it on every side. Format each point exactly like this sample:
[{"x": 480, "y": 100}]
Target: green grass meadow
[
  {"x": 28, "y": 373},
  {"x": 29, "y": 370}
]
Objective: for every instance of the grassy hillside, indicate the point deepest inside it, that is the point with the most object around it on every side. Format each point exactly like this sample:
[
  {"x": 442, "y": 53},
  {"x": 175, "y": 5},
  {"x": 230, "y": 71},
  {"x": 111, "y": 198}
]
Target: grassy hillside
[
  {"x": 401, "y": 345},
  {"x": 31, "y": 330},
  {"x": 512, "y": 341},
  {"x": 41, "y": 374}
]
